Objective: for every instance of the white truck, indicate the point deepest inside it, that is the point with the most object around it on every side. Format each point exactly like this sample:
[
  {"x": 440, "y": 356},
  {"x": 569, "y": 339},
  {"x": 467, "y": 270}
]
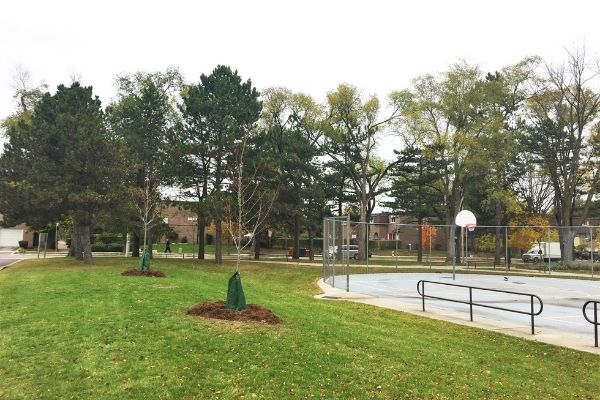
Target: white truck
[{"x": 543, "y": 251}]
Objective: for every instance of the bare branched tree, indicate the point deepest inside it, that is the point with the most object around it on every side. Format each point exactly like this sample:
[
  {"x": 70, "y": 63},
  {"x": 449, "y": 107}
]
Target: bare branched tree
[
  {"x": 26, "y": 94},
  {"x": 251, "y": 201},
  {"x": 564, "y": 115},
  {"x": 147, "y": 201}
]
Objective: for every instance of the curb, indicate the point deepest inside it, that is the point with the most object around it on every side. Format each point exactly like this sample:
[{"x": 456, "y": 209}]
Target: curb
[{"x": 8, "y": 265}]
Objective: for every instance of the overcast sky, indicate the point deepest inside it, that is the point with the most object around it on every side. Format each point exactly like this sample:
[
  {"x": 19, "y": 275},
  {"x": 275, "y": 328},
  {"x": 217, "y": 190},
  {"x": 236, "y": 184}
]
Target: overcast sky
[{"x": 307, "y": 45}]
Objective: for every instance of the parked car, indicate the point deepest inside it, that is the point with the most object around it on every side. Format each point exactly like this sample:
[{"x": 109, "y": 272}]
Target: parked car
[
  {"x": 350, "y": 249},
  {"x": 586, "y": 255}
]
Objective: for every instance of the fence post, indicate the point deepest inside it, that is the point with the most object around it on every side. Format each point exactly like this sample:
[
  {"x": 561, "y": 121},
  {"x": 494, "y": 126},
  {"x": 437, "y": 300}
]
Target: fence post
[
  {"x": 423, "y": 294},
  {"x": 596, "y": 324},
  {"x": 471, "y": 302},
  {"x": 430, "y": 247},
  {"x": 592, "y": 255},
  {"x": 532, "y": 317}
]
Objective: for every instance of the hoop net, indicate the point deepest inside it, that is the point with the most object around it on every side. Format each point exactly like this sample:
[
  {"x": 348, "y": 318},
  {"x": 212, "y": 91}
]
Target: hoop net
[{"x": 471, "y": 227}]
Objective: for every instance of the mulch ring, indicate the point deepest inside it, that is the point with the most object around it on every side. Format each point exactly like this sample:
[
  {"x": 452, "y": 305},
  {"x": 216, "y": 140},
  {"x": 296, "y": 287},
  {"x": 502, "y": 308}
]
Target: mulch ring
[
  {"x": 219, "y": 310},
  {"x": 137, "y": 272}
]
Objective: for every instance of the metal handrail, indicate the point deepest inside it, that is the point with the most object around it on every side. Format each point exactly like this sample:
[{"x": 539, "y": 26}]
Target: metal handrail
[
  {"x": 421, "y": 283},
  {"x": 595, "y": 321}
]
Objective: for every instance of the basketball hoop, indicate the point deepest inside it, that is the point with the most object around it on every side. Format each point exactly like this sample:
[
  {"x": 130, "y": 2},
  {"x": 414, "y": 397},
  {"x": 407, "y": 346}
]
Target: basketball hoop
[{"x": 471, "y": 227}]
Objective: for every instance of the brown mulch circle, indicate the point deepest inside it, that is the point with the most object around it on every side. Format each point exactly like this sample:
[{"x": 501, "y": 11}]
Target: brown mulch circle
[
  {"x": 137, "y": 272},
  {"x": 219, "y": 310}
]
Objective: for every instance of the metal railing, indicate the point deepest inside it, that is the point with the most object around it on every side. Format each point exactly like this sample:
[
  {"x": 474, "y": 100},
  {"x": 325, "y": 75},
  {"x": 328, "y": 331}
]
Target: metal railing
[
  {"x": 595, "y": 321},
  {"x": 532, "y": 313}
]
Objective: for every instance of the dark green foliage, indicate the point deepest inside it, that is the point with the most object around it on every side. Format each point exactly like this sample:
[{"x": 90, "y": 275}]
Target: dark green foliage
[
  {"x": 145, "y": 118},
  {"x": 414, "y": 191},
  {"x": 106, "y": 238},
  {"x": 217, "y": 112},
  {"x": 108, "y": 247},
  {"x": 60, "y": 164},
  {"x": 292, "y": 132}
]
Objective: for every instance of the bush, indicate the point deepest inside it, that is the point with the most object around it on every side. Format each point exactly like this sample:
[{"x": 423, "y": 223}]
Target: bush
[
  {"x": 173, "y": 236},
  {"x": 281, "y": 243},
  {"x": 107, "y": 238},
  {"x": 23, "y": 244},
  {"x": 576, "y": 265},
  {"x": 184, "y": 239},
  {"x": 108, "y": 247}
]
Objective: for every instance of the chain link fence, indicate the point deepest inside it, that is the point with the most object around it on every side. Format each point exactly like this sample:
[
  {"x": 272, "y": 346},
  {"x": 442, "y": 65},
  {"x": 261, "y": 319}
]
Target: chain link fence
[
  {"x": 542, "y": 249},
  {"x": 337, "y": 251}
]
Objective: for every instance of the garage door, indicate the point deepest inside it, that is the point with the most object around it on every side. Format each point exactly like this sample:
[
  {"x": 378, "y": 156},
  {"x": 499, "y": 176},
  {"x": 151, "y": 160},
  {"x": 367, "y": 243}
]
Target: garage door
[{"x": 10, "y": 237}]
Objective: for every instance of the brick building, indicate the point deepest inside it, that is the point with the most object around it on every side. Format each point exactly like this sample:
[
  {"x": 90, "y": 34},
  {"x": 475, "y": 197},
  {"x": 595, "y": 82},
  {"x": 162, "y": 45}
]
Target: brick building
[{"x": 183, "y": 221}]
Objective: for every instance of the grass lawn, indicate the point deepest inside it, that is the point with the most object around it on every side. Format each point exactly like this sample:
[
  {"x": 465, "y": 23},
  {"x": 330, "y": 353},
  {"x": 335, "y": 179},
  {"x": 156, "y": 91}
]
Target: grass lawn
[{"x": 69, "y": 331}]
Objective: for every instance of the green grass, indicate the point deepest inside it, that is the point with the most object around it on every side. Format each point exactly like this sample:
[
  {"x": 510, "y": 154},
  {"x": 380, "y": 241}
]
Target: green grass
[{"x": 69, "y": 331}]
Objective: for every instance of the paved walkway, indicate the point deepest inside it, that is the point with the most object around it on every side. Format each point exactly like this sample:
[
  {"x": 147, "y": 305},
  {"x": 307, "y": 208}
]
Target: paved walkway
[{"x": 561, "y": 323}]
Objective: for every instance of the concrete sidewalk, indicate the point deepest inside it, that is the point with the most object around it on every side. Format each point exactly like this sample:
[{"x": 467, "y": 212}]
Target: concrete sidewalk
[{"x": 506, "y": 327}]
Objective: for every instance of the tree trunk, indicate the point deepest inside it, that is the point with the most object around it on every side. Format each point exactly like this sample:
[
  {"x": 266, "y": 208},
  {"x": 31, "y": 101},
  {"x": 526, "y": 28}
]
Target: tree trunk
[
  {"x": 296, "y": 239},
  {"x": 420, "y": 240},
  {"x": 566, "y": 237},
  {"x": 499, "y": 236},
  {"x": 135, "y": 250},
  {"x": 311, "y": 241},
  {"x": 363, "y": 229},
  {"x": 450, "y": 237},
  {"x": 499, "y": 240},
  {"x": 201, "y": 239},
  {"x": 81, "y": 239},
  {"x": 218, "y": 242},
  {"x": 257, "y": 246},
  {"x": 566, "y": 234},
  {"x": 150, "y": 243},
  {"x": 72, "y": 246}
]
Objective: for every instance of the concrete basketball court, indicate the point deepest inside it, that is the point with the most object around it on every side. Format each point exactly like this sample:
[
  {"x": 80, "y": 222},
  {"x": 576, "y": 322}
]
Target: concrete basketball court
[{"x": 561, "y": 321}]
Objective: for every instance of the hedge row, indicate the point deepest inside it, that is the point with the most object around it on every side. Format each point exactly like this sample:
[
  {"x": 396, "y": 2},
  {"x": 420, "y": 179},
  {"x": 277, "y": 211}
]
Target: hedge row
[{"x": 110, "y": 247}]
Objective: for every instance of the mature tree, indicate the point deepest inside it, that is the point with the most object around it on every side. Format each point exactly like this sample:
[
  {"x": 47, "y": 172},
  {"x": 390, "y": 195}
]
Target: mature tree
[
  {"x": 196, "y": 160},
  {"x": 351, "y": 137},
  {"x": 217, "y": 111},
  {"x": 563, "y": 117},
  {"x": 292, "y": 123},
  {"x": 414, "y": 190},
  {"x": 534, "y": 187},
  {"x": 445, "y": 113},
  {"x": 60, "y": 164},
  {"x": 499, "y": 155},
  {"x": 145, "y": 117}
]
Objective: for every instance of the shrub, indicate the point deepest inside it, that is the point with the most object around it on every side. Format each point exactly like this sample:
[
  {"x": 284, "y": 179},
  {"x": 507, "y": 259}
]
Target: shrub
[
  {"x": 173, "y": 236},
  {"x": 107, "y": 247},
  {"x": 107, "y": 238},
  {"x": 184, "y": 239},
  {"x": 23, "y": 244}
]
